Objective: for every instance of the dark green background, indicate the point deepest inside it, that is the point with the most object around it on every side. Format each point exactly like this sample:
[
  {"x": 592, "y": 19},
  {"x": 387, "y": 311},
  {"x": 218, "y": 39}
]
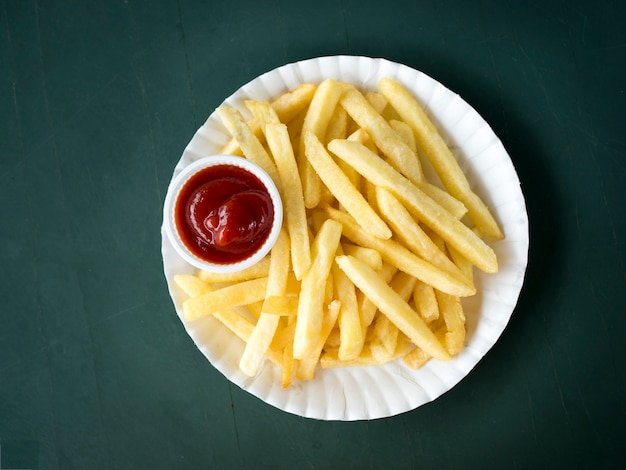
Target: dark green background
[{"x": 99, "y": 99}]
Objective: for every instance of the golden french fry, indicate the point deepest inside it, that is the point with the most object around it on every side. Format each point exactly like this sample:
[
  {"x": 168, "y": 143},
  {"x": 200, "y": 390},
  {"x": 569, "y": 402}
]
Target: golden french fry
[
  {"x": 439, "y": 155},
  {"x": 396, "y": 254},
  {"x": 258, "y": 343},
  {"x": 405, "y": 132},
  {"x": 235, "y": 322},
  {"x": 310, "y": 309},
  {"x": 386, "y": 139},
  {"x": 284, "y": 334},
  {"x": 294, "y": 127},
  {"x": 350, "y": 329},
  {"x": 428, "y": 211},
  {"x": 316, "y": 121},
  {"x": 329, "y": 288},
  {"x": 337, "y": 126},
  {"x": 385, "y": 332},
  {"x": 362, "y": 137},
  {"x": 403, "y": 284},
  {"x": 376, "y": 100},
  {"x": 416, "y": 358},
  {"x": 454, "y": 318},
  {"x": 367, "y": 308},
  {"x": 461, "y": 262},
  {"x": 243, "y": 293},
  {"x": 265, "y": 328},
  {"x": 425, "y": 301},
  {"x": 339, "y": 184},
  {"x": 333, "y": 340},
  {"x": 192, "y": 285},
  {"x": 290, "y": 104},
  {"x": 392, "y": 305},
  {"x": 252, "y": 148},
  {"x": 385, "y": 337},
  {"x": 307, "y": 365},
  {"x": 288, "y": 365},
  {"x": 293, "y": 200}
]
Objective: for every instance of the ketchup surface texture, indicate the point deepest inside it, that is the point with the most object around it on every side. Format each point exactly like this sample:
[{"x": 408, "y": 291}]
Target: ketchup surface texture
[{"x": 223, "y": 214}]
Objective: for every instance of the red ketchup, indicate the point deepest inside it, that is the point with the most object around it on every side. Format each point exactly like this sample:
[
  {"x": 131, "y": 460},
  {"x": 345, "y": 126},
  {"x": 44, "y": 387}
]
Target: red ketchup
[{"x": 223, "y": 214}]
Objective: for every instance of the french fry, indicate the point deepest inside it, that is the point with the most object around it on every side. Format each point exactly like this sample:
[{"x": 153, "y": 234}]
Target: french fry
[
  {"x": 235, "y": 322},
  {"x": 363, "y": 138},
  {"x": 310, "y": 309},
  {"x": 307, "y": 365},
  {"x": 192, "y": 285},
  {"x": 265, "y": 328},
  {"x": 288, "y": 365},
  {"x": 316, "y": 121},
  {"x": 428, "y": 211},
  {"x": 293, "y": 200},
  {"x": 284, "y": 334},
  {"x": 350, "y": 329},
  {"x": 425, "y": 301},
  {"x": 439, "y": 155},
  {"x": 376, "y": 100},
  {"x": 337, "y": 126},
  {"x": 386, "y": 139},
  {"x": 294, "y": 127},
  {"x": 396, "y": 254},
  {"x": 454, "y": 318},
  {"x": 415, "y": 358},
  {"x": 392, "y": 305},
  {"x": 385, "y": 332},
  {"x": 367, "y": 308},
  {"x": 404, "y": 131},
  {"x": 290, "y": 104},
  {"x": 243, "y": 293},
  {"x": 341, "y": 187},
  {"x": 461, "y": 262},
  {"x": 333, "y": 340},
  {"x": 384, "y": 340}
]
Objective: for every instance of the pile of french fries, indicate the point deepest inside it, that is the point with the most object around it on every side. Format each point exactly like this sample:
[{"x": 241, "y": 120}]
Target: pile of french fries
[{"x": 373, "y": 259}]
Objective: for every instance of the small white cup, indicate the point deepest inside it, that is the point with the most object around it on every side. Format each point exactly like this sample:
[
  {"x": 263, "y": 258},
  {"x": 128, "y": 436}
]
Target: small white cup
[{"x": 170, "y": 202}]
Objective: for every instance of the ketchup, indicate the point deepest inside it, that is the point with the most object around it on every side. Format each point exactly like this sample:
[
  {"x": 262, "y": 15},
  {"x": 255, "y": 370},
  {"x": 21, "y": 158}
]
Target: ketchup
[{"x": 223, "y": 214}]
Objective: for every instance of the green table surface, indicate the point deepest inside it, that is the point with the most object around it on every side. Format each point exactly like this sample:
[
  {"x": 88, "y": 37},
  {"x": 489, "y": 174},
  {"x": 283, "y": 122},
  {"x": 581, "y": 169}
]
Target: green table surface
[{"x": 99, "y": 99}]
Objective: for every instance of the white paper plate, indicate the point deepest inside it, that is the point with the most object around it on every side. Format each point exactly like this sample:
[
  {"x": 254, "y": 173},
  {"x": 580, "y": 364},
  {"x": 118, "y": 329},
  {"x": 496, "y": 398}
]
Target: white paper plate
[{"x": 375, "y": 392}]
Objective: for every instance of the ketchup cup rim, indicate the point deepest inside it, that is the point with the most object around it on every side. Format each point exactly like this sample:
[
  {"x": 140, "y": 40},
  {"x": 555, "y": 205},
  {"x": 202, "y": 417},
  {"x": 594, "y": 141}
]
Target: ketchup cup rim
[{"x": 170, "y": 202}]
